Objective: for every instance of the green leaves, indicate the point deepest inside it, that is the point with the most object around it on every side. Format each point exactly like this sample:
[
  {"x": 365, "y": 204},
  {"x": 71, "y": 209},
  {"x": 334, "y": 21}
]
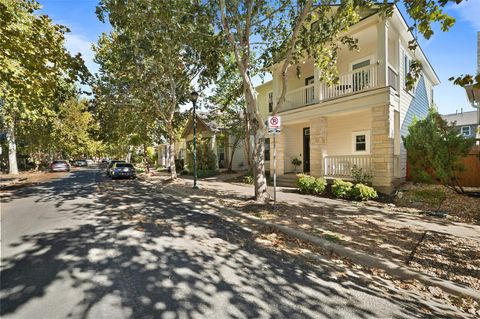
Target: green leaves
[{"x": 434, "y": 149}]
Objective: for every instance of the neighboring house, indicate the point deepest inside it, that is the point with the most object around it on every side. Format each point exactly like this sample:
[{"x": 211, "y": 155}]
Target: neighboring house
[
  {"x": 222, "y": 142},
  {"x": 360, "y": 120},
  {"x": 473, "y": 93},
  {"x": 466, "y": 122},
  {"x": 164, "y": 153}
]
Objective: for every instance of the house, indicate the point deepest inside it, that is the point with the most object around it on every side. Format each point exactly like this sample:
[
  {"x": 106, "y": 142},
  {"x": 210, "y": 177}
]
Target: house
[
  {"x": 473, "y": 93},
  {"x": 222, "y": 142},
  {"x": 466, "y": 122},
  {"x": 360, "y": 120}
]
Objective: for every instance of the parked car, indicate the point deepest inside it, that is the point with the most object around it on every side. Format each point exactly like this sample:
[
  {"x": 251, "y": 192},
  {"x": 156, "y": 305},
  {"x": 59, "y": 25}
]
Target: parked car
[
  {"x": 80, "y": 163},
  {"x": 90, "y": 162},
  {"x": 110, "y": 166},
  {"x": 60, "y": 166},
  {"x": 123, "y": 170}
]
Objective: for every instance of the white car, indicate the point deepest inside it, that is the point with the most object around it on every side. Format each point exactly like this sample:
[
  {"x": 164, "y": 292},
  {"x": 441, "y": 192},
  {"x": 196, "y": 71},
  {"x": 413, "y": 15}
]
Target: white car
[{"x": 90, "y": 162}]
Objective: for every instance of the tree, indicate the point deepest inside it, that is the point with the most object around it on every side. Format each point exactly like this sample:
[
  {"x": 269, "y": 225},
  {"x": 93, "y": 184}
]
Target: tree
[
  {"x": 34, "y": 67},
  {"x": 166, "y": 45},
  {"x": 435, "y": 149}
]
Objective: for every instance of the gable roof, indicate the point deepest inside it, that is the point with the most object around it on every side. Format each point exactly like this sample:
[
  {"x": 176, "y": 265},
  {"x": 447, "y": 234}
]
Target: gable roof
[
  {"x": 462, "y": 119},
  {"x": 205, "y": 120}
]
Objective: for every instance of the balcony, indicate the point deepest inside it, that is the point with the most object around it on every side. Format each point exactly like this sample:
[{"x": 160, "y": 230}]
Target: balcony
[{"x": 356, "y": 81}]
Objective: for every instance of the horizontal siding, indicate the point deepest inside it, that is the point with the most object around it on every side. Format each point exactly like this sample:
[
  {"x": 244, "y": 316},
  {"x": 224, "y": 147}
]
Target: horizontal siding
[{"x": 340, "y": 129}]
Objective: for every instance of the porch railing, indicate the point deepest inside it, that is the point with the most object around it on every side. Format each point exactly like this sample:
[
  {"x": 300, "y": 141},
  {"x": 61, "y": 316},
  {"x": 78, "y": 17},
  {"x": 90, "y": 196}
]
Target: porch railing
[
  {"x": 341, "y": 166},
  {"x": 355, "y": 81},
  {"x": 393, "y": 78},
  {"x": 352, "y": 82},
  {"x": 300, "y": 97}
]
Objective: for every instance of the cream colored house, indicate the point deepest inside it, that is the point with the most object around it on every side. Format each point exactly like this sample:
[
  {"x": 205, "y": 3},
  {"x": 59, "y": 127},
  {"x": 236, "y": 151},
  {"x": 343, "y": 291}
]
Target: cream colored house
[
  {"x": 360, "y": 120},
  {"x": 222, "y": 143}
]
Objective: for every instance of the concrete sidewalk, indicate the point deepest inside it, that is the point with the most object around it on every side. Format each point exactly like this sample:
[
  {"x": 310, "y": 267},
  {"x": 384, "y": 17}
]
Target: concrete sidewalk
[
  {"x": 181, "y": 189},
  {"x": 374, "y": 211}
]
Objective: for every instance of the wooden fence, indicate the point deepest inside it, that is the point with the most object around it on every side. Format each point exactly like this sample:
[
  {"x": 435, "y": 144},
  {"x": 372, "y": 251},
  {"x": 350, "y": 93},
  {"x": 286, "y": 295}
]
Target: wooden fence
[{"x": 470, "y": 177}]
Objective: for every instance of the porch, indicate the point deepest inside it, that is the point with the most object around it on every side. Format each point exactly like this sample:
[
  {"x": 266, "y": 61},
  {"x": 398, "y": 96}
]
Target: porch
[{"x": 332, "y": 146}]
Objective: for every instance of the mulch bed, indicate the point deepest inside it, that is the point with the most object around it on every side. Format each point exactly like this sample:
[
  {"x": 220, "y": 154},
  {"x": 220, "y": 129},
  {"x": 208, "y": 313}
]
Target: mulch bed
[{"x": 438, "y": 199}]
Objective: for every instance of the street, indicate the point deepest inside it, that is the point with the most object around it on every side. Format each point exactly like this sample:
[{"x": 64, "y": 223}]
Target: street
[{"x": 84, "y": 246}]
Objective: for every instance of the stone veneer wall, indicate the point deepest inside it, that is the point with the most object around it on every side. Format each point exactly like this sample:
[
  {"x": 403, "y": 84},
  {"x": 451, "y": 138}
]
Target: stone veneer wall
[{"x": 382, "y": 148}]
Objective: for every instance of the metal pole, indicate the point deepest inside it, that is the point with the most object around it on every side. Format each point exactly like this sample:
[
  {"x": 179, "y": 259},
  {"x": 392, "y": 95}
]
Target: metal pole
[
  {"x": 195, "y": 145},
  {"x": 274, "y": 169}
]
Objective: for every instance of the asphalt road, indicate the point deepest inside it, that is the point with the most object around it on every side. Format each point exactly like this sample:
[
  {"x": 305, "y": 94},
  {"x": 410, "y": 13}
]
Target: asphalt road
[{"x": 84, "y": 246}]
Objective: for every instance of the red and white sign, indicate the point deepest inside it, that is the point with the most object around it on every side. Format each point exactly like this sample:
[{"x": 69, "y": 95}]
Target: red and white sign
[{"x": 274, "y": 123}]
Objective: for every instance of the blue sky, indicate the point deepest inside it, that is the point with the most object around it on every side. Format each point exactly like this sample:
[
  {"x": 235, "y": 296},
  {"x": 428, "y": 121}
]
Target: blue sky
[{"x": 450, "y": 53}]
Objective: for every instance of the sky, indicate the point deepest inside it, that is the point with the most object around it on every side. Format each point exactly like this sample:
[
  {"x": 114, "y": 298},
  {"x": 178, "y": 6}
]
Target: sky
[{"x": 451, "y": 53}]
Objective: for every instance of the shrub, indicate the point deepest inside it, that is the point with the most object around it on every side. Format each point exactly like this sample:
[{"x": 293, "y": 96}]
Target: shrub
[
  {"x": 179, "y": 164},
  {"x": 296, "y": 162},
  {"x": 206, "y": 157},
  {"x": 184, "y": 172},
  {"x": 362, "y": 192},
  {"x": 360, "y": 176},
  {"x": 311, "y": 185},
  {"x": 248, "y": 179},
  {"x": 341, "y": 189}
]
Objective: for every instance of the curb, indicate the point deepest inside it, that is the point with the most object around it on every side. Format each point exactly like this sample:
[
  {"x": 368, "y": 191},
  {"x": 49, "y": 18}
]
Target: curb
[{"x": 394, "y": 270}]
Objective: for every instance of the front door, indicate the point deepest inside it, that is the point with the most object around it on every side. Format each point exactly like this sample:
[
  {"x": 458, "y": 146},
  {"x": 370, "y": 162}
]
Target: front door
[{"x": 306, "y": 150}]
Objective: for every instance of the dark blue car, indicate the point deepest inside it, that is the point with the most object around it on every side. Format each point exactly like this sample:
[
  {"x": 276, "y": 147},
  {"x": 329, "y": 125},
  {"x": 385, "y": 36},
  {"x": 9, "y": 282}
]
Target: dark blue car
[{"x": 123, "y": 170}]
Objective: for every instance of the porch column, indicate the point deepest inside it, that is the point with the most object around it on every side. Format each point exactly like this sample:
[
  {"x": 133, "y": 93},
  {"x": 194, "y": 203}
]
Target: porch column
[
  {"x": 318, "y": 143},
  {"x": 280, "y": 141},
  {"x": 382, "y": 54},
  {"x": 382, "y": 146},
  {"x": 316, "y": 84}
]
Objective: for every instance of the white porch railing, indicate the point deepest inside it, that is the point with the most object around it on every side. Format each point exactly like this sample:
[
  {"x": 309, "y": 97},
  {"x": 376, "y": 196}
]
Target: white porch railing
[
  {"x": 355, "y": 81},
  {"x": 341, "y": 166},
  {"x": 300, "y": 97}
]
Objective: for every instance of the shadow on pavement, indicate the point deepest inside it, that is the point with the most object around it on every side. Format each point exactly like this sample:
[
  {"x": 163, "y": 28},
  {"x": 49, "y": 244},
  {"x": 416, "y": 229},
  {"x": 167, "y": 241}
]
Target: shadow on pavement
[{"x": 162, "y": 260}]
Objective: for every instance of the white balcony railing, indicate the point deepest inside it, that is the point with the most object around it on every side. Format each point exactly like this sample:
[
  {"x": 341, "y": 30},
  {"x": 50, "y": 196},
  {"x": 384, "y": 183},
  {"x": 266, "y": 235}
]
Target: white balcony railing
[
  {"x": 355, "y": 81},
  {"x": 341, "y": 166},
  {"x": 300, "y": 97}
]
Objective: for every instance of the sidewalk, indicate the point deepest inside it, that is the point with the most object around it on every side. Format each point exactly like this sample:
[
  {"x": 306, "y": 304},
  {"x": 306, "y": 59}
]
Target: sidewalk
[{"x": 434, "y": 246}]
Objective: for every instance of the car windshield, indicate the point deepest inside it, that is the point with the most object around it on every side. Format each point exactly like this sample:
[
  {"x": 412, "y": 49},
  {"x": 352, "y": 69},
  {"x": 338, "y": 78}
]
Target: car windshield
[{"x": 123, "y": 165}]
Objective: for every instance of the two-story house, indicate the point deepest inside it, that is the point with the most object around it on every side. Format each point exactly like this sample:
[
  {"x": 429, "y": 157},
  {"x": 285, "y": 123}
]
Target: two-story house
[
  {"x": 360, "y": 120},
  {"x": 465, "y": 122}
]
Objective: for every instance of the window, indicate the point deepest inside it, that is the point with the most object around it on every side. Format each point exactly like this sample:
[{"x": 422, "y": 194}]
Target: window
[
  {"x": 360, "y": 78},
  {"x": 361, "y": 142},
  {"x": 267, "y": 150},
  {"x": 465, "y": 130},
  {"x": 270, "y": 102}
]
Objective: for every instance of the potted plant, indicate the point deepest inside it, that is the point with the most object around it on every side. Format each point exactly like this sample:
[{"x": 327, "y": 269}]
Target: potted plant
[{"x": 296, "y": 162}]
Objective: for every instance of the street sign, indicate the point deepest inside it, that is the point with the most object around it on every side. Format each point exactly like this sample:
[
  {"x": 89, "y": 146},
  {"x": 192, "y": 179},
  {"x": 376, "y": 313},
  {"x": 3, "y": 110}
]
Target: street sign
[{"x": 274, "y": 123}]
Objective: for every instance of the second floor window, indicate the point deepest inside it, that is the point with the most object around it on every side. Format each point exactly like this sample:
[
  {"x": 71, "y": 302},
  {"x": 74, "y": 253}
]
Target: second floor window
[
  {"x": 465, "y": 130},
  {"x": 270, "y": 102}
]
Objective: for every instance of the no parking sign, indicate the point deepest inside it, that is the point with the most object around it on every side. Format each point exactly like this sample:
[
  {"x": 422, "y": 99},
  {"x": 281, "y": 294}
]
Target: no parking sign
[{"x": 274, "y": 123}]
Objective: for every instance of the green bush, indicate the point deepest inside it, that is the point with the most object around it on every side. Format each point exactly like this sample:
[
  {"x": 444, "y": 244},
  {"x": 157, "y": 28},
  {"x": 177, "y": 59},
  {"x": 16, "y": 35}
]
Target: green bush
[
  {"x": 311, "y": 185},
  {"x": 248, "y": 178},
  {"x": 362, "y": 192},
  {"x": 184, "y": 172},
  {"x": 360, "y": 176},
  {"x": 206, "y": 157},
  {"x": 341, "y": 189}
]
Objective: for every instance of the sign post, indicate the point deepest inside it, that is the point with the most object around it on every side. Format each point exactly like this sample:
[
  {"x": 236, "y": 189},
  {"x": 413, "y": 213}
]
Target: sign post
[{"x": 274, "y": 123}]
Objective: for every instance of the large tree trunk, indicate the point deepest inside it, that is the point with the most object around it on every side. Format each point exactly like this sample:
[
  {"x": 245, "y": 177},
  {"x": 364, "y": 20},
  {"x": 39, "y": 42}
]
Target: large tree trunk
[
  {"x": 147, "y": 160},
  {"x": 12, "y": 149},
  {"x": 128, "y": 158},
  {"x": 171, "y": 149},
  {"x": 260, "y": 180},
  {"x": 247, "y": 144}
]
